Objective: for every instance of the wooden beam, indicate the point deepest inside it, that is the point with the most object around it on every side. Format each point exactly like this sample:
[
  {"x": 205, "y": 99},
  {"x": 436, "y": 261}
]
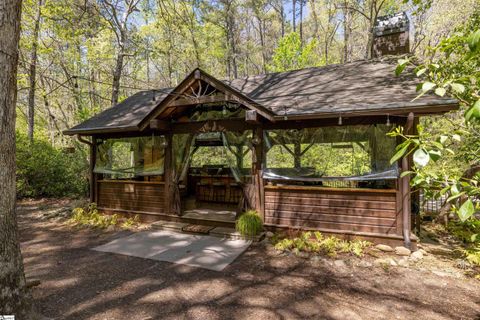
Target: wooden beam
[
  {"x": 218, "y": 98},
  {"x": 252, "y": 116},
  {"x": 158, "y": 124}
]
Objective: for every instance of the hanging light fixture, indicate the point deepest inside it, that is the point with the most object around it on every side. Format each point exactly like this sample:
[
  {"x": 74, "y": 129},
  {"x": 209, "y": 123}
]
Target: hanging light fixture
[
  {"x": 388, "y": 120},
  {"x": 340, "y": 121}
]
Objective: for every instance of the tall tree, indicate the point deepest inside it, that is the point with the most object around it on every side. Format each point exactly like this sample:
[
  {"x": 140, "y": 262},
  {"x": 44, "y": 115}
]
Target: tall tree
[
  {"x": 347, "y": 31},
  {"x": 118, "y": 13},
  {"x": 14, "y": 296},
  {"x": 33, "y": 71}
]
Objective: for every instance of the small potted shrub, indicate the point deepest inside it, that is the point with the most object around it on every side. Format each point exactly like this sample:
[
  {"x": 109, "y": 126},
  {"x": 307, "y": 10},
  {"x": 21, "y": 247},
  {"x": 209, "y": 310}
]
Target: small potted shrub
[{"x": 249, "y": 224}]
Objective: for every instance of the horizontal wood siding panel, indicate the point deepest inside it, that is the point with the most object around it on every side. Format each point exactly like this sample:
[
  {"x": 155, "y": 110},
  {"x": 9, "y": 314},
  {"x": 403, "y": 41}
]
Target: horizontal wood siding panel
[
  {"x": 343, "y": 210},
  {"x": 332, "y": 225},
  {"x": 132, "y": 196}
]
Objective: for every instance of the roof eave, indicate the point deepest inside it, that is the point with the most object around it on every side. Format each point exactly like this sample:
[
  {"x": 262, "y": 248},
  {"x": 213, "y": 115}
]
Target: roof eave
[
  {"x": 100, "y": 130},
  {"x": 418, "y": 110}
]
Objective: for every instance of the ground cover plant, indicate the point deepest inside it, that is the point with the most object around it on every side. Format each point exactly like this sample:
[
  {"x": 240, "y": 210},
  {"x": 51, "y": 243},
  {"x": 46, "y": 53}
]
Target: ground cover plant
[
  {"x": 316, "y": 242},
  {"x": 91, "y": 217}
]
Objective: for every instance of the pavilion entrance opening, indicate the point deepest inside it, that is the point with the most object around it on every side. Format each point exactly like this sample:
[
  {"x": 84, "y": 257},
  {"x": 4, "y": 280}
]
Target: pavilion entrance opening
[{"x": 219, "y": 168}]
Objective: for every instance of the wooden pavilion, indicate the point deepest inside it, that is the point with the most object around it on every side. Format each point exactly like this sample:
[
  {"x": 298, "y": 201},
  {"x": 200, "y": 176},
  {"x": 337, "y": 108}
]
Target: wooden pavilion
[{"x": 307, "y": 149}]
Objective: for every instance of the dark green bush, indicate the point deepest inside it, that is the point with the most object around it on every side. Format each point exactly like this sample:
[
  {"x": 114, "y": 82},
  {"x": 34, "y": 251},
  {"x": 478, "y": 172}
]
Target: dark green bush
[{"x": 45, "y": 171}]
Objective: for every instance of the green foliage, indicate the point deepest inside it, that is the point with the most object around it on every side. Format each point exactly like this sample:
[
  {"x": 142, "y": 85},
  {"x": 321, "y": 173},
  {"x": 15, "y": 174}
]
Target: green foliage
[
  {"x": 44, "y": 171},
  {"x": 291, "y": 54},
  {"x": 473, "y": 255},
  {"x": 249, "y": 224},
  {"x": 453, "y": 70},
  {"x": 89, "y": 216},
  {"x": 316, "y": 243},
  {"x": 467, "y": 231},
  {"x": 130, "y": 222}
]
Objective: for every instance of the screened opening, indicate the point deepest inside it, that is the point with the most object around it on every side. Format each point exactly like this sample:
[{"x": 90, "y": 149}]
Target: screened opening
[
  {"x": 129, "y": 158},
  {"x": 348, "y": 156}
]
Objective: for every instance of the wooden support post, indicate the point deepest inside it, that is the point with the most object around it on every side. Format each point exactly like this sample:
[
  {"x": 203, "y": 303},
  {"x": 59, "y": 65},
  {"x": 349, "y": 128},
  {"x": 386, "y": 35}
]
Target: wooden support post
[
  {"x": 168, "y": 171},
  {"x": 257, "y": 171},
  {"x": 406, "y": 209},
  {"x": 93, "y": 175},
  {"x": 415, "y": 195}
]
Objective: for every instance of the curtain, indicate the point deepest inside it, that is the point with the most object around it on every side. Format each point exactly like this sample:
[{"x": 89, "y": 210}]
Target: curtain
[
  {"x": 183, "y": 147},
  {"x": 352, "y": 153},
  {"x": 130, "y": 157},
  {"x": 238, "y": 145}
]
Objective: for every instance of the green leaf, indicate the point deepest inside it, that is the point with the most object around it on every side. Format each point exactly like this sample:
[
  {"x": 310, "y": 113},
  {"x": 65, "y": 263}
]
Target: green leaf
[
  {"x": 435, "y": 154},
  {"x": 400, "y": 152},
  {"x": 466, "y": 210},
  {"x": 454, "y": 190},
  {"x": 421, "y": 71},
  {"x": 457, "y": 87},
  {"x": 456, "y": 137},
  {"x": 453, "y": 197},
  {"x": 406, "y": 173},
  {"x": 473, "y": 112},
  {"x": 474, "y": 41},
  {"x": 440, "y": 92},
  {"x": 427, "y": 86},
  {"x": 399, "y": 69},
  {"x": 421, "y": 157}
]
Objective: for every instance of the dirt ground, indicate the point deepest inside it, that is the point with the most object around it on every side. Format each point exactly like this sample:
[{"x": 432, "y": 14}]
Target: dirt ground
[{"x": 78, "y": 283}]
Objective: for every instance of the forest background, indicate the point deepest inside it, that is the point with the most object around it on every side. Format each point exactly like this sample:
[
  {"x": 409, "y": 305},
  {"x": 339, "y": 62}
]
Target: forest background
[{"x": 80, "y": 57}]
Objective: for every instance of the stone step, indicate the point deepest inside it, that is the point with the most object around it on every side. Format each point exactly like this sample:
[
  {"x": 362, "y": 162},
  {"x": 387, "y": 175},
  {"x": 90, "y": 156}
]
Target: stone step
[
  {"x": 168, "y": 225},
  {"x": 231, "y": 233},
  {"x": 221, "y": 232}
]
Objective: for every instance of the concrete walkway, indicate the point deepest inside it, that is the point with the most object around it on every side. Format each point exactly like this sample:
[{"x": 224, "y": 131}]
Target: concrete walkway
[{"x": 201, "y": 251}]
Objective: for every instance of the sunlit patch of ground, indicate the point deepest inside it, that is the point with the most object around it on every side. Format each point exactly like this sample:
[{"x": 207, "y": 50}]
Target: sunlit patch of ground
[{"x": 78, "y": 283}]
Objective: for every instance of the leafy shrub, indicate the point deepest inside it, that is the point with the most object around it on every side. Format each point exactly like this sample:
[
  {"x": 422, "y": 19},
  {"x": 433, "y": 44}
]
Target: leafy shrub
[
  {"x": 90, "y": 216},
  {"x": 45, "y": 171},
  {"x": 249, "y": 224},
  {"x": 130, "y": 222},
  {"x": 468, "y": 231},
  {"x": 473, "y": 255},
  {"x": 317, "y": 243}
]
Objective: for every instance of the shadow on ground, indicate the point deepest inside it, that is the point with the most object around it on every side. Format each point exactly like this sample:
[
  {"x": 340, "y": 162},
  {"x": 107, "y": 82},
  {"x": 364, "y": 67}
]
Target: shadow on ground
[{"x": 78, "y": 283}]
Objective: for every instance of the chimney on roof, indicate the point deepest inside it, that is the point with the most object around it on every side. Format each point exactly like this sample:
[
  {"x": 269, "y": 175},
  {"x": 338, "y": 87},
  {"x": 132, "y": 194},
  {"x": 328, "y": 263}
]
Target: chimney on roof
[{"x": 391, "y": 35}]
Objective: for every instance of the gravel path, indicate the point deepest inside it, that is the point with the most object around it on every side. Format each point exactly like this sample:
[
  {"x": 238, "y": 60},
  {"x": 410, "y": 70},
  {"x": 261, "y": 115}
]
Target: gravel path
[{"x": 78, "y": 283}]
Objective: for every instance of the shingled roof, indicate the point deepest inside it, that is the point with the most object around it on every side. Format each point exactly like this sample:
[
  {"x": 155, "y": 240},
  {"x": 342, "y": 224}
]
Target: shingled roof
[{"x": 360, "y": 87}]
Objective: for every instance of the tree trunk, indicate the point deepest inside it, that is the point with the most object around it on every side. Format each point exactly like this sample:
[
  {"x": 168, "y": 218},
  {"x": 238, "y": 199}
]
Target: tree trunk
[
  {"x": 33, "y": 73},
  {"x": 294, "y": 13},
  {"x": 282, "y": 14},
  {"x": 346, "y": 33},
  {"x": 301, "y": 23},
  {"x": 14, "y": 296},
  {"x": 117, "y": 74}
]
